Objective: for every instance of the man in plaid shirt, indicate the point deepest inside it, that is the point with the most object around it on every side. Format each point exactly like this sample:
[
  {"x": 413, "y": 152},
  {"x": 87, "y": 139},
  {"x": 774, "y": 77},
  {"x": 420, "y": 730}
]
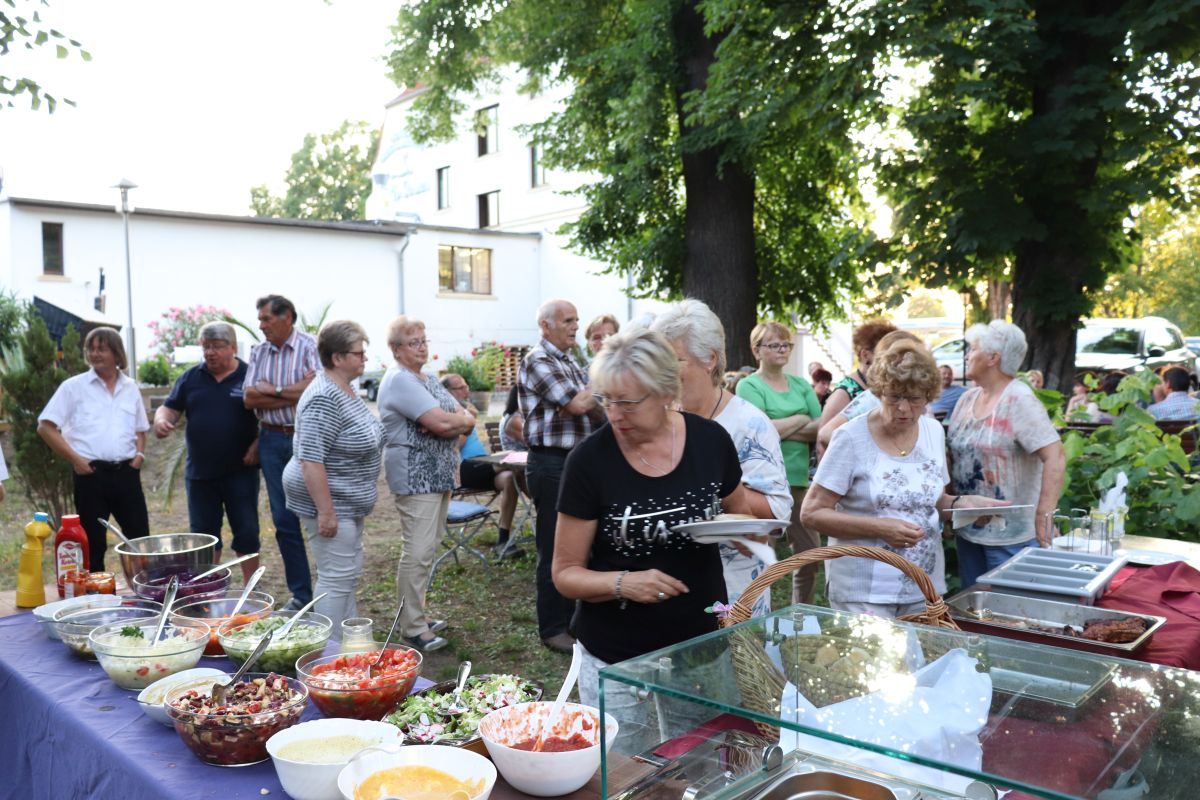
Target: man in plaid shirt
[
  {"x": 280, "y": 369},
  {"x": 1178, "y": 404},
  {"x": 560, "y": 412}
]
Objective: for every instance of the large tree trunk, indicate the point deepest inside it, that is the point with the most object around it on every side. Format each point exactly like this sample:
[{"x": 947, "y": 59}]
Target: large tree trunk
[
  {"x": 719, "y": 265},
  {"x": 1051, "y": 339}
]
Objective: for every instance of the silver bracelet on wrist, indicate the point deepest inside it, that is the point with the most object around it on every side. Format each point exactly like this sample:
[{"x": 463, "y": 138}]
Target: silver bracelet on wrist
[{"x": 617, "y": 590}]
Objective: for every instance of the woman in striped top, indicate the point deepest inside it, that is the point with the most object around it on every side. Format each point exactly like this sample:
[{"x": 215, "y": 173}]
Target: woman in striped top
[{"x": 330, "y": 481}]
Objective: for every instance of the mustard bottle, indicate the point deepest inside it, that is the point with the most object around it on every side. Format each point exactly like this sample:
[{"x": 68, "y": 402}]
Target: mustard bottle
[{"x": 31, "y": 588}]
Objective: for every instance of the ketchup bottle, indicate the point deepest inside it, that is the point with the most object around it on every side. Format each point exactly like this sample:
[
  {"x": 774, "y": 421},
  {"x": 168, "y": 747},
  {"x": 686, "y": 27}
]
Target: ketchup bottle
[{"x": 70, "y": 551}]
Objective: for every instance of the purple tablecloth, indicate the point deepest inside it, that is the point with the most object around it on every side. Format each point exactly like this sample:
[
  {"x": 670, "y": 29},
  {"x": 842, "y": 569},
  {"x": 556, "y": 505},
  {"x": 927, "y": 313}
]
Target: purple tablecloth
[{"x": 70, "y": 732}]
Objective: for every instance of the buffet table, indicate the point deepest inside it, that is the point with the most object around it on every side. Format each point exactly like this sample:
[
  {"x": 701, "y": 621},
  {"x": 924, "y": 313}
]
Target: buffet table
[{"x": 73, "y": 733}]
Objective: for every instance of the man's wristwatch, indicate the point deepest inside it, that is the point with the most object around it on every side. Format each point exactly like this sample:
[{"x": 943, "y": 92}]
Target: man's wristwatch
[{"x": 278, "y": 390}]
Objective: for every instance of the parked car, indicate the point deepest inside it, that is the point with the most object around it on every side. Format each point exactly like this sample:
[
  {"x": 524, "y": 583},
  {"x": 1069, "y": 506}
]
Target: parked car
[
  {"x": 950, "y": 354},
  {"x": 368, "y": 383},
  {"x": 1130, "y": 345},
  {"x": 1193, "y": 343}
]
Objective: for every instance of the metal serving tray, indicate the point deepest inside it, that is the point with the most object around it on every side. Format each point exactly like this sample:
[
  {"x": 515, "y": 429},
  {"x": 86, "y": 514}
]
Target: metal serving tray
[
  {"x": 1074, "y": 574},
  {"x": 1008, "y": 615},
  {"x": 1032, "y": 686}
]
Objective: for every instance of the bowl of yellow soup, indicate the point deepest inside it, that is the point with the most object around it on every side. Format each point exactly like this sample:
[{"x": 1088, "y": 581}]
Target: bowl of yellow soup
[
  {"x": 309, "y": 756},
  {"x": 417, "y": 772}
]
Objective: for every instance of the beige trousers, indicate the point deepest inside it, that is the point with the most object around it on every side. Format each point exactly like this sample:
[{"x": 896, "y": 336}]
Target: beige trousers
[
  {"x": 422, "y": 520},
  {"x": 801, "y": 539}
]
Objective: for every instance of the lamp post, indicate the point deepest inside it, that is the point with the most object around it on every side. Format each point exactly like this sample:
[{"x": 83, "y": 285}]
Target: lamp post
[
  {"x": 965, "y": 294},
  {"x": 125, "y": 185}
]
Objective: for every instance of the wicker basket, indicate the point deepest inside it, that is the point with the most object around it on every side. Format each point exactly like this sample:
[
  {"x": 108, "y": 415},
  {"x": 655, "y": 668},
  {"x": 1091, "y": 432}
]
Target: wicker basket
[{"x": 760, "y": 681}]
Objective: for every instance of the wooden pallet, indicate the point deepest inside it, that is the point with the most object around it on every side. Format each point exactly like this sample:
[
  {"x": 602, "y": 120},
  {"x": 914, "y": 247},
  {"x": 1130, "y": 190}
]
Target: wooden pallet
[{"x": 506, "y": 371}]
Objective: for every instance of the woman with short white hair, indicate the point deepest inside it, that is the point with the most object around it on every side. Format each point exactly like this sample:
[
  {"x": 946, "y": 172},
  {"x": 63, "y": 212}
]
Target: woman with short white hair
[
  {"x": 1002, "y": 445},
  {"x": 698, "y": 337},
  {"x": 625, "y": 488}
]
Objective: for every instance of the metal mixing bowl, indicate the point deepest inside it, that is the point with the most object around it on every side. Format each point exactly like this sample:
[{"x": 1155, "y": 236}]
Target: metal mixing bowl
[{"x": 166, "y": 553}]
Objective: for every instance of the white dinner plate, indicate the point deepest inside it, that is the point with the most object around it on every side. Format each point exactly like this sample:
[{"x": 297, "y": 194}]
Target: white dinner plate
[
  {"x": 719, "y": 530},
  {"x": 1150, "y": 558}
]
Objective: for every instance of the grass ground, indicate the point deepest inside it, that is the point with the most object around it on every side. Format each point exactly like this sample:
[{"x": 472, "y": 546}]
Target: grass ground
[{"x": 492, "y": 618}]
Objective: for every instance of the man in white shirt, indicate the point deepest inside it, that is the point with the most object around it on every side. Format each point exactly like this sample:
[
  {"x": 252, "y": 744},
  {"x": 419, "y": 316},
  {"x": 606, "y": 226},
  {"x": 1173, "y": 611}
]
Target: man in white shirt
[{"x": 97, "y": 422}]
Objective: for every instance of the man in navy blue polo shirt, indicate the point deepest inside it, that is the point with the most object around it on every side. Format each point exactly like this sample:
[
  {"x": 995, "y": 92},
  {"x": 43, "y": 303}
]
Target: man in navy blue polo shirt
[{"x": 222, "y": 442}]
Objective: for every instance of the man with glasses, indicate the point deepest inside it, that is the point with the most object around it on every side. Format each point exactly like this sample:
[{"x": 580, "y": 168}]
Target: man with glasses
[
  {"x": 560, "y": 412},
  {"x": 280, "y": 370},
  {"x": 222, "y": 442}
]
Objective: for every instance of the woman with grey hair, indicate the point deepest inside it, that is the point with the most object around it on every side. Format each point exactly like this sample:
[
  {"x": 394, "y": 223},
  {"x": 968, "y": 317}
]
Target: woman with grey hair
[
  {"x": 330, "y": 480},
  {"x": 624, "y": 490},
  {"x": 1002, "y": 445},
  {"x": 421, "y": 425},
  {"x": 698, "y": 338}
]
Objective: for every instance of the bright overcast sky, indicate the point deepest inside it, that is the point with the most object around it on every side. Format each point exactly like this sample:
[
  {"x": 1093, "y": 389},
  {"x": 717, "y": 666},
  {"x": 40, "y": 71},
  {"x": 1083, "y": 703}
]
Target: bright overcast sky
[{"x": 194, "y": 102}]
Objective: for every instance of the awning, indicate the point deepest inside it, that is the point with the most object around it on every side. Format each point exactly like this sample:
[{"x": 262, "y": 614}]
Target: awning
[{"x": 59, "y": 315}]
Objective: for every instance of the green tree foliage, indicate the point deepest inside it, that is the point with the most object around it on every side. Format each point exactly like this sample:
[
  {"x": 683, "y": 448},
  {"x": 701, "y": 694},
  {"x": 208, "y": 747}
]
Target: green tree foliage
[
  {"x": 1165, "y": 281},
  {"x": 924, "y": 304},
  {"x": 1162, "y": 499},
  {"x": 1035, "y": 126},
  {"x": 31, "y": 374},
  {"x": 330, "y": 177},
  {"x": 21, "y": 25},
  {"x": 717, "y": 132}
]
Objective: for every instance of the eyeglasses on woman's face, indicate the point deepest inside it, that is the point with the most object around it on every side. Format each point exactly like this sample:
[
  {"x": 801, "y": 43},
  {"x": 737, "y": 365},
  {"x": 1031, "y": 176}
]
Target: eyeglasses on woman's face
[
  {"x": 415, "y": 344},
  {"x": 608, "y": 403},
  {"x": 913, "y": 401},
  {"x": 777, "y": 347},
  {"x": 357, "y": 353}
]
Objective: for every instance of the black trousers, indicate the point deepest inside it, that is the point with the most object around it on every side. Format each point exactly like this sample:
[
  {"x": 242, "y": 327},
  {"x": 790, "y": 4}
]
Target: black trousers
[
  {"x": 544, "y": 472},
  {"x": 112, "y": 490}
]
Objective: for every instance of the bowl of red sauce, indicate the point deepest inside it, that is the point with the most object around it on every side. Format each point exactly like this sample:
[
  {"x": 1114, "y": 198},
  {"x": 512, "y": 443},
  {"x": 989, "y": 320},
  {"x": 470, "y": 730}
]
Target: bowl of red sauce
[
  {"x": 569, "y": 754},
  {"x": 341, "y": 685}
]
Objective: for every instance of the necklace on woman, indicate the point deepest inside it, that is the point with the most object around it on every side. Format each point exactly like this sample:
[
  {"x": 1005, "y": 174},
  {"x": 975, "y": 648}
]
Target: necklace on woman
[
  {"x": 637, "y": 451},
  {"x": 713, "y": 413},
  {"x": 900, "y": 449}
]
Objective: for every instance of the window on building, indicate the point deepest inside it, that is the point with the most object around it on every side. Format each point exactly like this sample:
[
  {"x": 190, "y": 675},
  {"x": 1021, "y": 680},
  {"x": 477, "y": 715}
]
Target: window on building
[
  {"x": 487, "y": 121},
  {"x": 537, "y": 166},
  {"x": 443, "y": 188},
  {"x": 489, "y": 209},
  {"x": 465, "y": 269},
  {"x": 52, "y": 248}
]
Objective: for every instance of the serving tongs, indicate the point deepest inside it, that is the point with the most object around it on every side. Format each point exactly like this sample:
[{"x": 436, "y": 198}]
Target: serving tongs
[
  {"x": 220, "y": 567},
  {"x": 220, "y": 690},
  {"x": 168, "y": 599}
]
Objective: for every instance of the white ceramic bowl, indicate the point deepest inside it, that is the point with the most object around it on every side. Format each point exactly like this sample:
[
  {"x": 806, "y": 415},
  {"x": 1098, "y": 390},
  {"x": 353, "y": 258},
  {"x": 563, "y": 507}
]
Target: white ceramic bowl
[
  {"x": 545, "y": 774},
  {"x": 45, "y": 612},
  {"x": 462, "y": 764},
  {"x": 305, "y": 780},
  {"x": 151, "y": 698}
]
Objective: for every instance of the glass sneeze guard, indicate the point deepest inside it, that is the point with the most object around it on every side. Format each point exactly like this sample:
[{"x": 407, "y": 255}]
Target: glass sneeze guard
[{"x": 937, "y": 711}]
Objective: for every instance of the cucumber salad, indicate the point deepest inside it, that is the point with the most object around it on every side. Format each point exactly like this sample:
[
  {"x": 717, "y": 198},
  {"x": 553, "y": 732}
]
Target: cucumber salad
[{"x": 422, "y": 721}]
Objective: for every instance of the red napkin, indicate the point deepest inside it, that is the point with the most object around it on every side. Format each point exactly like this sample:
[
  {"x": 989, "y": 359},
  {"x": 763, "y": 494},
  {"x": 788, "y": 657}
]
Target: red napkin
[{"x": 1171, "y": 591}]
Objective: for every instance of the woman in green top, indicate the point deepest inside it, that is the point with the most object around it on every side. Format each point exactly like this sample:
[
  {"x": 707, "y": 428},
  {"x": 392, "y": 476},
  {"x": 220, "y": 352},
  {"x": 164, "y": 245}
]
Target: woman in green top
[{"x": 793, "y": 408}]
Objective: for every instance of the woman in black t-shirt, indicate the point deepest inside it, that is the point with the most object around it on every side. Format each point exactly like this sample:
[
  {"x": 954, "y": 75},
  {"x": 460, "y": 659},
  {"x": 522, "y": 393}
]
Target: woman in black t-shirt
[{"x": 624, "y": 488}]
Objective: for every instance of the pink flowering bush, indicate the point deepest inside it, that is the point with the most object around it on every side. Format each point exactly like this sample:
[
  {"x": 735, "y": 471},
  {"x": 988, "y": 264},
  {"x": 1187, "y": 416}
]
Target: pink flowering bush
[{"x": 179, "y": 327}]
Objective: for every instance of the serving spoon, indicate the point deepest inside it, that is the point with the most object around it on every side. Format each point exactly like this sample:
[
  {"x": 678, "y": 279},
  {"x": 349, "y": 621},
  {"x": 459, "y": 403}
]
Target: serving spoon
[
  {"x": 112, "y": 527},
  {"x": 456, "y": 708},
  {"x": 287, "y": 626},
  {"x": 220, "y": 567},
  {"x": 250, "y": 584},
  {"x": 374, "y": 671},
  {"x": 561, "y": 700},
  {"x": 220, "y": 690}
]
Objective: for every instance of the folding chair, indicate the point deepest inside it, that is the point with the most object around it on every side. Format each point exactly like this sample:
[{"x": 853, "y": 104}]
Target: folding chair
[{"x": 463, "y": 521}]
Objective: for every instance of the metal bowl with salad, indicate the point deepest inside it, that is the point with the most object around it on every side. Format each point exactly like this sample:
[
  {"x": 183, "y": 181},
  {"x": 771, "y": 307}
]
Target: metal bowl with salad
[{"x": 422, "y": 719}]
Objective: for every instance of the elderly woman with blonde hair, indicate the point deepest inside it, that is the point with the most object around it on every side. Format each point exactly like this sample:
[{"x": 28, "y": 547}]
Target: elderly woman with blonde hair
[
  {"x": 882, "y": 484},
  {"x": 698, "y": 337},
  {"x": 421, "y": 425},
  {"x": 1002, "y": 445},
  {"x": 625, "y": 489}
]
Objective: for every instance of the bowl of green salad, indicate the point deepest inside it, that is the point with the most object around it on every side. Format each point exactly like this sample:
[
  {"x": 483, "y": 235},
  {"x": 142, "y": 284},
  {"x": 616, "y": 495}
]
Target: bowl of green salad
[
  {"x": 421, "y": 720},
  {"x": 310, "y": 632}
]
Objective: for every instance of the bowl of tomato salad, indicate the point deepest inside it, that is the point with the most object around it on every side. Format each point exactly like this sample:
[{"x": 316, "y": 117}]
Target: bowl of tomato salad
[
  {"x": 341, "y": 685},
  {"x": 214, "y": 610}
]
